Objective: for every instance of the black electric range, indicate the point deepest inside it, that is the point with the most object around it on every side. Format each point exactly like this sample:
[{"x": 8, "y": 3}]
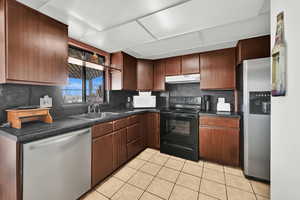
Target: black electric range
[{"x": 179, "y": 131}]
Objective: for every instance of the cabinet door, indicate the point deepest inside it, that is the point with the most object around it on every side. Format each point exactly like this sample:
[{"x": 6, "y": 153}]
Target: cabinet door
[
  {"x": 143, "y": 129},
  {"x": 258, "y": 47},
  {"x": 150, "y": 130},
  {"x": 231, "y": 146},
  {"x": 119, "y": 148},
  {"x": 129, "y": 72},
  {"x": 117, "y": 60},
  {"x": 23, "y": 45},
  {"x": 218, "y": 70},
  {"x": 54, "y": 51},
  {"x": 190, "y": 64},
  {"x": 133, "y": 132},
  {"x": 220, "y": 145},
  {"x": 173, "y": 66},
  {"x": 211, "y": 141},
  {"x": 159, "y": 75},
  {"x": 153, "y": 126},
  {"x": 102, "y": 158},
  {"x": 37, "y": 46},
  {"x": 144, "y": 74}
]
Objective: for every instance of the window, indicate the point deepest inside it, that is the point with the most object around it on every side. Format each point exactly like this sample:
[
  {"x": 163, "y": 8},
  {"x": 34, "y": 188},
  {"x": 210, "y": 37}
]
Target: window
[{"x": 86, "y": 80}]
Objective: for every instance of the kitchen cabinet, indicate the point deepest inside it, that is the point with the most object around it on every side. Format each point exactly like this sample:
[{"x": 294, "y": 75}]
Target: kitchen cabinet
[
  {"x": 102, "y": 158},
  {"x": 144, "y": 75},
  {"x": 36, "y": 46},
  {"x": 218, "y": 71},
  {"x": 252, "y": 48},
  {"x": 134, "y": 139},
  {"x": 153, "y": 127},
  {"x": 219, "y": 142},
  {"x": 190, "y": 64},
  {"x": 173, "y": 66},
  {"x": 125, "y": 75},
  {"x": 119, "y": 148},
  {"x": 159, "y": 72},
  {"x": 143, "y": 129}
]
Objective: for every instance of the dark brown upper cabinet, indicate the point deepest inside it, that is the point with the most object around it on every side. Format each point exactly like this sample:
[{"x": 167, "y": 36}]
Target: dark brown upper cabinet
[
  {"x": 190, "y": 64},
  {"x": 173, "y": 66},
  {"x": 125, "y": 77},
  {"x": 258, "y": 47},
  {"x": 218, "y": 70},
  {"x": 34, "y": 46},
  {"x": 144, "y": 75},
  {"x": 159, "y": 75}
]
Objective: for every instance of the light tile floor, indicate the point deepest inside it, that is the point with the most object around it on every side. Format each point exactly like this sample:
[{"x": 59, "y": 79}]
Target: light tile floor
[{"x": 156, "y": 176}]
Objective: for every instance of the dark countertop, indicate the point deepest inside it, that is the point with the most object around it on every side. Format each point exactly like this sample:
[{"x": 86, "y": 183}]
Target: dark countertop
[
  {"x": 221, "y": 114},
  {"x": 39, "y": 130}
]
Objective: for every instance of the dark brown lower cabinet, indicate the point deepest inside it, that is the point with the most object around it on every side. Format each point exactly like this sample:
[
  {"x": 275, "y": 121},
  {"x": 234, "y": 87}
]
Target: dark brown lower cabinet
[
  {"x": 133, "y": 148},
  {"x": 153, "y": 133},
  {"x": 143, "y": 129},
  {"x": 220, "y": 144},
  {"x": 133, "y": 132},
  {"x": 119, "y": 148},
  {"x": 102, "y": 158}
]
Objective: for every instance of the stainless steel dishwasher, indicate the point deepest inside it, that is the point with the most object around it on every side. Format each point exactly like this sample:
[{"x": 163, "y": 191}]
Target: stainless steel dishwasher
[{"x": 57, "y": 168}]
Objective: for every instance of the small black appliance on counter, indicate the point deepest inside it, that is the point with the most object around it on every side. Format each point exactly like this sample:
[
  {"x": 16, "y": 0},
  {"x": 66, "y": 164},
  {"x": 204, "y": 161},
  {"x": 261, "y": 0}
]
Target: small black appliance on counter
[{"x": 206, "y": 103}]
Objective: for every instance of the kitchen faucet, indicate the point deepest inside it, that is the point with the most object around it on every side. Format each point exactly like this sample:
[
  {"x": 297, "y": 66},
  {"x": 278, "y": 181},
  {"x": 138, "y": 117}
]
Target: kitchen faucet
[{"x": 94, "y": 108}]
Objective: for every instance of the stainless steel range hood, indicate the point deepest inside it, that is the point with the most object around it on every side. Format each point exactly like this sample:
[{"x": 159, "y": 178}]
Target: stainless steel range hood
[{"x": 191, "y": 78}]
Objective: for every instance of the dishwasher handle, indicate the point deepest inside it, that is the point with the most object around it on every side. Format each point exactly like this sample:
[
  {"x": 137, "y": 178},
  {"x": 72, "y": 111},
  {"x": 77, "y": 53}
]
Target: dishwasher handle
[{"x": 60, "y": 140}]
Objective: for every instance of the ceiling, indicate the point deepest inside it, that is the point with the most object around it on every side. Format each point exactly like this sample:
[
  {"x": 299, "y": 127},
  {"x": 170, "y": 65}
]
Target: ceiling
[{"x": 159, "y": 28}]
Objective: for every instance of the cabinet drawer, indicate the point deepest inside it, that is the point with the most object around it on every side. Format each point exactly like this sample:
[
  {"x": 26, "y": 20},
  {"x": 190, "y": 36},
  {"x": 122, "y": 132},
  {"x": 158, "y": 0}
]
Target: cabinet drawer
[
  {"x": 133, "y": 132},
  {"x": 134, "y": 148},
  {"x": 120, "y": 123},
  {"x": 132, "y": 120},
  {"x": 219, "y": 122},
  {"x": 102, "y": 129}
]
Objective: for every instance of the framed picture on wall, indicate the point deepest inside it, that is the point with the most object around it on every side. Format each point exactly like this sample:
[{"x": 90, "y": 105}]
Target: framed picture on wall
[{"x": 279, "y": 59}]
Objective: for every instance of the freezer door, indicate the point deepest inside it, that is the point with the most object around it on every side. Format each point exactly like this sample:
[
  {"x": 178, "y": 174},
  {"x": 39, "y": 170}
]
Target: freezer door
[
  {"x": 257, "y": 147},
  {"x": 57, "y": 167},
  {"x": 256, "y": 80}
]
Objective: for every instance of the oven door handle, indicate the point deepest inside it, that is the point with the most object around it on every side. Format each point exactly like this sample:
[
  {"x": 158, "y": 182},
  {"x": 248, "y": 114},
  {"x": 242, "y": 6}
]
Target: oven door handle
[{"x": 173, "y": 116}]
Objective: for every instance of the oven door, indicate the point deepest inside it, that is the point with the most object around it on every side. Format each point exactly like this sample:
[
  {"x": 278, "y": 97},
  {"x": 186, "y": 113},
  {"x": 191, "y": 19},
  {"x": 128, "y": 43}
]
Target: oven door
[{"x": 179, "y": 134}]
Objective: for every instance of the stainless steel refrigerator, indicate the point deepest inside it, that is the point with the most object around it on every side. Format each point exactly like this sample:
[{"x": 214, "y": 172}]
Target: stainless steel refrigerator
[{"x": 256, "y": 117}]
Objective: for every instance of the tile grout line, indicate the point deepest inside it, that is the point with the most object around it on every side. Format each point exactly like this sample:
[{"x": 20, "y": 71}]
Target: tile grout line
[
  {"x": 125, "y": 182},
  {"x": 225, "y": 182},
  {"x": 200, "y": 180},
  {"x": 153, "y": 179},
  {"x": 176, "y": 179}
]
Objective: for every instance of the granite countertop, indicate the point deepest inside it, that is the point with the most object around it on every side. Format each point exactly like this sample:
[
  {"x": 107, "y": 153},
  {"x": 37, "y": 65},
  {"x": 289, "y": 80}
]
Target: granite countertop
[
  {"x": 39, "y": 130},
  {"x": 221, "y": 114}
]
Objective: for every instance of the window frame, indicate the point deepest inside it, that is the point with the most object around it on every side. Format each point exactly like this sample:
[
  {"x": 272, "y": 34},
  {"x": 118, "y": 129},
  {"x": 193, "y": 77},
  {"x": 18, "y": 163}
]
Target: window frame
[{"x": 84, "y": 77}]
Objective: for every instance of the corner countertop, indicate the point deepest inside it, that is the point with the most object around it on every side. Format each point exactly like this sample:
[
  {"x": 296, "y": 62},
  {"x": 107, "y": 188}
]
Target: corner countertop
[
  {"x": 37, "y": 130},
  {"x": 221, "y": 114}
]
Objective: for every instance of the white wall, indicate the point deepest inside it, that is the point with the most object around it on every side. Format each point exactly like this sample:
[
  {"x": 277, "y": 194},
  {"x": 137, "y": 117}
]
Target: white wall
[{"x": 285, "y": 117}]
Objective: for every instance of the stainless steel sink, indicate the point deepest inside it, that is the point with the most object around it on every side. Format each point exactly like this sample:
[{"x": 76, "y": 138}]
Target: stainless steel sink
[{"x": 93, "y": 116}]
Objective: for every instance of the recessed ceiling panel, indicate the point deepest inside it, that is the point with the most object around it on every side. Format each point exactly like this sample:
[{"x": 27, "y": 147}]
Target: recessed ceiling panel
[
  {"x": 116, "y": 39},
  {"x": 200, "y": 14},
  {"x": 256, "y": 26},
  {"x": 195, "y": 50},
  {"x": 206, "y": 38},
  {"x": 186, "y": 41},
  {"x": 102, "y": 14}
]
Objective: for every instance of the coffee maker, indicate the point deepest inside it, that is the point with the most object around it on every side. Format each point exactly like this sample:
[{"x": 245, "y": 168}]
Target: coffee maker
[{"x": 205, "y": 103}]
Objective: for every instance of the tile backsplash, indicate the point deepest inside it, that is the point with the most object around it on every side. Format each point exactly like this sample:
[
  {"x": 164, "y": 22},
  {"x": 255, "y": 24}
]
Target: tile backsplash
[
  {"x": 191, "y": 92},
  {"x": 14, "y": 95}
]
